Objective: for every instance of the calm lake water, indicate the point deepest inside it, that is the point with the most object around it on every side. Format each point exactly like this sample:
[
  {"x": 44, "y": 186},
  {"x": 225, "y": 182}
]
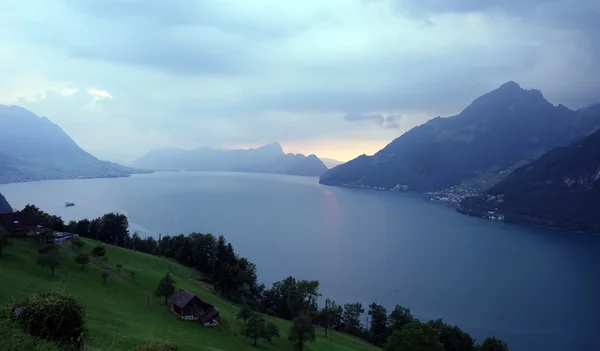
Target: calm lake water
[{"x": 536, "y": 289}]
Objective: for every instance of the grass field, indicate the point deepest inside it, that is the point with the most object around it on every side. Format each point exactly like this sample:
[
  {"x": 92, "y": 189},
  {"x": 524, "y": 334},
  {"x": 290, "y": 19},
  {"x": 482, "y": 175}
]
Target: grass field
[{"x": 124, "y": 314}]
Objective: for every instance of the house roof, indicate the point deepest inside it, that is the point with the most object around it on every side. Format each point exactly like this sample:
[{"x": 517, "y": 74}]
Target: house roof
[
  {"x": 209, "y": 315},
  {"x": 17, "y": 220},
  {"x": 182, "y": 298}
]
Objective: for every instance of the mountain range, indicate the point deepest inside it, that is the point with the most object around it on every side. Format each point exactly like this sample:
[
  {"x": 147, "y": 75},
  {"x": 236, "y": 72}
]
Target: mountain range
[
  {"x": 269, "y": 158},
  {"x": 34, "y": 148},
  {"x": 4, "y": 206},
  {"x": 561, "y": 189},
  {"x": 498, "y": 132}
]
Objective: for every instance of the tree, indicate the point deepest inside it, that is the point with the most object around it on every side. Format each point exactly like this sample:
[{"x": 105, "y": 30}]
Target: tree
[
  {"x": 454, "y": 339},
  {"x": 105, "y": 274},
  {"x": 330, "y": 316},
  {"x": 119, "y": 267},
  {"x": 245, "y": 313},
  {"x": 46, "y": 236},
  {"x": 351, "y": 318},
  {"x": 272, "y": 331},
  {"x": 255, "y": 328},
  {"x": 301, "y": 331},
  {"x": 414, "y": 336},
  {"x": 399, "y": 317},
  {"x": 51, "y": 260},
  {"x": 378, "y": 329},
  {"x": 82, "y": 259},
  {"x": 166, "y": 287},
  {"x": 493, "y": 344},
  {"x": 132, "y": 275},
  {"x": 4, "y": 240},
  {"x": 77, "y": 243},
  {"x": 99, "y": 251}
]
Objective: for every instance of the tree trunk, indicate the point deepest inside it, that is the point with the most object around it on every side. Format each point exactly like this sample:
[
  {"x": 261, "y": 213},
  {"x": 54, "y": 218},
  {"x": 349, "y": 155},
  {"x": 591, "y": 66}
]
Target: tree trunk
[
  {"x": 52, "y": 272},
  {"x": 300, "y": 345},
  {"x": 255, "y": 338}
]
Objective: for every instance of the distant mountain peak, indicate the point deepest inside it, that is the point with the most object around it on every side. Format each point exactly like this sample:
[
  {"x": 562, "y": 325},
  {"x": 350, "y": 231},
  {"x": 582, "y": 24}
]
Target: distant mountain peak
[
  {"x": 273, "y": 147},
  {"x": 512, "y": 85}
]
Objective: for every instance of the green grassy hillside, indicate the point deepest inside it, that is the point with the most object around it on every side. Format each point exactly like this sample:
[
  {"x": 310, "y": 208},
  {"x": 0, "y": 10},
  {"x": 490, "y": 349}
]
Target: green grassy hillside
[{"x": 124, "y": 314}]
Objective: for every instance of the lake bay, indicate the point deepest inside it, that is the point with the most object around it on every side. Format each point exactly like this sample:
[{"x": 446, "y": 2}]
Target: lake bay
[{"x": 536, "y": 289}]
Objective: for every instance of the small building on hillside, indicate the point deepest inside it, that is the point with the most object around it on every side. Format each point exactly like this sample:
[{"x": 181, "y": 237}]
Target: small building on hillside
[
  {"x": 191, "y": 308},
  {"x": 19, "y": 224}
]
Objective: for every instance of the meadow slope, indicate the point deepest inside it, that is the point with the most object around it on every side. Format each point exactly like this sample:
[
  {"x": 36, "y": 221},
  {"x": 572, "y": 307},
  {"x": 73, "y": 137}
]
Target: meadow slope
[{"x": 124, "y": 313}]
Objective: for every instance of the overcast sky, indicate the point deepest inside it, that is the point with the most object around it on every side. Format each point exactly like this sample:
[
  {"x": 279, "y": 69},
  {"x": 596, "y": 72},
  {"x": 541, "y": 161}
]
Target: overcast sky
[{"x": 333, "y": 77}]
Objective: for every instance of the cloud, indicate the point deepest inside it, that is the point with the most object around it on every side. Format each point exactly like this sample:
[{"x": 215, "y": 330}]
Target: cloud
[
  {"x": 389, "y": 122},
  {"x": 202, "y": 72}
]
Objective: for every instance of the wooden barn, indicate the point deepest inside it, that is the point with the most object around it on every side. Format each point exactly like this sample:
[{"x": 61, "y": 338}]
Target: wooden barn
[
  {"x": 191, "y": 308},
  {"x": 19, "y": 224}
]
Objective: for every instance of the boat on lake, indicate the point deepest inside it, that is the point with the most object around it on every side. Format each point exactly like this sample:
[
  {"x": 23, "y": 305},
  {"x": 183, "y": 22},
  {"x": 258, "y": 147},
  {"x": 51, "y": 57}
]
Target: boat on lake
[{"x": 69, "y": 204}]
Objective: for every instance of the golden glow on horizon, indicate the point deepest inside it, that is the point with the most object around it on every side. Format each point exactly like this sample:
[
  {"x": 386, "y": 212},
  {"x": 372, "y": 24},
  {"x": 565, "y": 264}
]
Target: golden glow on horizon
[{"x": 341, "y": 150}]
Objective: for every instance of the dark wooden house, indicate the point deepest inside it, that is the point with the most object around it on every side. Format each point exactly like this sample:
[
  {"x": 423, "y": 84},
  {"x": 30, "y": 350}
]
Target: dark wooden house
[
  {"x": 19, "y": 224},
  {"x": 190, "y": 307}
]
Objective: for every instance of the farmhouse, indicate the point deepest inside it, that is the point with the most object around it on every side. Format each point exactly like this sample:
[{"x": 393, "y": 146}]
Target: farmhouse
[
  {"x": 190, "y": 307},
  {"x": 19, "y": 223}
]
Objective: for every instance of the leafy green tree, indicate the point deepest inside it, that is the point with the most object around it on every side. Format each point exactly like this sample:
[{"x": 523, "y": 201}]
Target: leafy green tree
[
  {"x": 399, "y": 317},
  {"x": 301, "y": 331},
  {"x": 493, "y": 344},
  {"x": 77, "y": 243},
  {"x": 378, "y": 330},
  {"x": 46, "y": 236},
  {"x": 245, "y": 313},
  {"x": 414, "y": 336},
  {"x": 50, "y": 260},
  {"x": 166, "y": 287},
  {"x": 455, "y": 339},
  {"x": 272, "y": 331},
  {"x": 104, "y": 274},
  {"x": 351, "y": 318},
  {"x": 82, "y": 259},
  {"x": 255, "y": 328},
  {"x": 119, "y": 267},
  {"x": 4, "y": 240},
  {"x": 99, "y": 251},
  {"x": 330, "y": 316},
  {"x": 132, "y": 275}
]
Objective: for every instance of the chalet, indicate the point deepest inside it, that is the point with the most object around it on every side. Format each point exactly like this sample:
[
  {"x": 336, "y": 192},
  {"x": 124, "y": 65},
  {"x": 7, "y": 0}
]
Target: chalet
[
  {"x": 190, "y": 307},
  {"x": 19, "y": 224}
]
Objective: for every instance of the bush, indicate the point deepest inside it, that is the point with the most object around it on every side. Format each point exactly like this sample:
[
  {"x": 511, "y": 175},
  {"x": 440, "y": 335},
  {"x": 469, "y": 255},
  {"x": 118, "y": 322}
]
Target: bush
[
  {"x": 53, "y": 317},
  {"x": 12, "y": 338},
  {"x": 99, "y": 251},
  {"x": 157, "y": 346},
  {"x": 104, "y": 275}
]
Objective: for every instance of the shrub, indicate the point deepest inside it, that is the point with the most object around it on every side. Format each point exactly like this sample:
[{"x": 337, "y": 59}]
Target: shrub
[
  {"x": 99, "y": 251},
  {"x": 77, "y": 243},
  {"x": 132, "y": 275},
  {"x": 157, "y": 346},
  {"x": 53, "y": 317},
  {"x": 104, "y": 275},
  {"x": 119, "y": 267}
]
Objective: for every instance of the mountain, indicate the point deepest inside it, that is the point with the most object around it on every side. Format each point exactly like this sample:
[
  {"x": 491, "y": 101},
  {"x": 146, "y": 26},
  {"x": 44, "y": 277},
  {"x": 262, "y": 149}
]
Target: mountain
[
  {"x": 496, "y": 133},
  {"x": 266, "y": 159},
  {"x": 330, "y": 163},
  {"x": 4, "y": 206},
  {"x": 34, "y": 148},
  {"x": 560, "y": 189}
]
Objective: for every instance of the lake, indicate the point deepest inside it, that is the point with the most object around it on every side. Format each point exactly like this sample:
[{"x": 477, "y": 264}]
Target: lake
[{"x": 536, "y": 289}]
